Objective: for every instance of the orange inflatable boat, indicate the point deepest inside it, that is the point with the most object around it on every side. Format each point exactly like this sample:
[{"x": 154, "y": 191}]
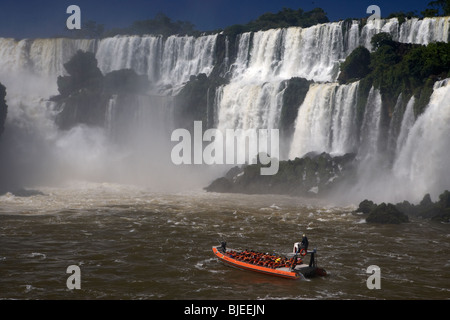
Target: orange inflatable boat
[{"x": 275, "y": 265}]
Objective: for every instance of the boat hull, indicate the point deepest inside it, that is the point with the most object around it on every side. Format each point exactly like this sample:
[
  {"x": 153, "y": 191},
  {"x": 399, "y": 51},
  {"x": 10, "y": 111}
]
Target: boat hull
[{"x": 279, "y": 272}]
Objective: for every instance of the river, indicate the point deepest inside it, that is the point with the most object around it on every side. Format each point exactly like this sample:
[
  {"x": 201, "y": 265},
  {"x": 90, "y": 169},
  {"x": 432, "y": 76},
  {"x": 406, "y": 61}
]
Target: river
[{"x": 131, "y": 243}]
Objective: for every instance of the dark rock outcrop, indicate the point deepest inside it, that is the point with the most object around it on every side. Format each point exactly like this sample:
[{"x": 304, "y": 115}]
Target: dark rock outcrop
[
  {"x": 426, "y": 209},
  {"x": 86, "y": 92},
  {"x": 386, "y": 214},
  {"x": 400, "y": 212},
  {"x": 3, "y": 108},
  {"x": 312, "y": 175},
  {"x": 366, "y": 207}
]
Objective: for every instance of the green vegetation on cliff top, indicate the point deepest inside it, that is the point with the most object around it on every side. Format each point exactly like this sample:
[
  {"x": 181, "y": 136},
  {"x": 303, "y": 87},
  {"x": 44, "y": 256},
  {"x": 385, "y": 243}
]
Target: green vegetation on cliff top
[
  {"x": 283, "y": 19},
  {"x": 161, "y": 24},
  {"x": 396, "y": 68}
]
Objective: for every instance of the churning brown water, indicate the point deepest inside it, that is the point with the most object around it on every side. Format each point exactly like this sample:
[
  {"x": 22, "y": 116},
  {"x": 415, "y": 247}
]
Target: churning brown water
[{"x": 135, "y": 244}]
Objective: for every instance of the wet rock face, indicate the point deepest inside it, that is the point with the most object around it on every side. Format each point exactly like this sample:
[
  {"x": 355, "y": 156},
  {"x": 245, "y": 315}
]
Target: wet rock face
[
  {"x": 400, "y": 212},
  {"x": 3, "y": 108},
  {"x": 313, "y": 175},
  {"x": 366, "y": 207},
  {"x": 386, "y": 214}
]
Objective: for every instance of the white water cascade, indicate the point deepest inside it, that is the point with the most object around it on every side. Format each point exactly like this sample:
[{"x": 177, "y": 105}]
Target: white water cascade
[
  {"x": 267, "y": 58},
  {"x": 167, "y": 62},
  {"x": 263, "y": 62},
  {"x": 423, "y": 160},
  {"x": 407, "y": 123},
  {"x": 326, "y": 121}
]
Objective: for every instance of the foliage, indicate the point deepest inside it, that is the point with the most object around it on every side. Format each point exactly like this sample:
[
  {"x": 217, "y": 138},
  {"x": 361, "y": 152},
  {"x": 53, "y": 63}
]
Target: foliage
[
  {"x": 438, "y": 8},
  {"x": 429, "y": 13},
  {"x": 356, "y": 66},
  {"x": 398, "y": 67},
  {"x": 381, "y": 39},
  {"x": 159, "y": 25},
  {"x": 89, "y": 30},
  {"x": 435, "y": 9},
  {"x": 283, "y": 19},
  {"x": 402, "y": 16}
]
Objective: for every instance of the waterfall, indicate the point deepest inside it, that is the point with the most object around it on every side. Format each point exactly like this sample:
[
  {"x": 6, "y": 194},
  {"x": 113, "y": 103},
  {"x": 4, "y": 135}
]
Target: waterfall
[
  {"x": 326, "y": 120},
  {"x": 167, "y": 62},
  {"x": 330, "y": 119},
  {"x": 42, "y": 57},
  {"x": 279, "y": 54},
  {"x": 266, "y": 58},
  {"x": 422, "y": 162},
  {"x": 370, "y": 129},
  {"x": 425, "y": 31},
  {"x": 131, "y": 52},
  {"x": 407, "y": 123},
  {"x": 250, "y": 106},
  {"x": 186, "y": 56}
]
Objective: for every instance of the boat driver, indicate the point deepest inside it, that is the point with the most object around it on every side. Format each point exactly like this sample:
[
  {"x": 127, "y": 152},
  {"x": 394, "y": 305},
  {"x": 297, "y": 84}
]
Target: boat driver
[{"x": 304, "y": 244}]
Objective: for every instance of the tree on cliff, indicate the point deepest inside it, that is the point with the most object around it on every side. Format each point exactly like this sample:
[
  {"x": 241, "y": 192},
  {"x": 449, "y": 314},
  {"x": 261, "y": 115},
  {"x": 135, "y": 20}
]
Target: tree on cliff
[
  {"x": 438, "y": 8},
  {"x": 159, "y": 25},
  {"x": 283, "y": 19}
]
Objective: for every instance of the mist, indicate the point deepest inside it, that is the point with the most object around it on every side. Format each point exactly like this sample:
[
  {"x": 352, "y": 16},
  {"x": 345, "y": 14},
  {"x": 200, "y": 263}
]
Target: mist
[{"x": 132, "y": 147}]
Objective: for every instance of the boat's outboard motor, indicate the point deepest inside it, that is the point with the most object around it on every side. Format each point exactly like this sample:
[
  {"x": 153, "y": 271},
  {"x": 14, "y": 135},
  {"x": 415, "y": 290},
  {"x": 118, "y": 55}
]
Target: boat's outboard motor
[{"x": 223, "y": 246}]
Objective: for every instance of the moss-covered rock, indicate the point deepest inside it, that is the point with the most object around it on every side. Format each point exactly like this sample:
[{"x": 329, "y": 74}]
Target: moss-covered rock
[
  {"x": 438, "y": 211},
  {"x": 221, "y": 185},
  {"x": 356, "y": 66},
  {"x": 311, "y": 175},
  {"x": 366, "y": 207},
  {"x": 399, "y": 213},
  {"x": 386, "y": 214}
]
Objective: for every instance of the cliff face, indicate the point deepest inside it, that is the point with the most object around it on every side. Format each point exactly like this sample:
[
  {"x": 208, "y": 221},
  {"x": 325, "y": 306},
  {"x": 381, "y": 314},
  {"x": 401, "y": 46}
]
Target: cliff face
[
  {"x": 3, "y": 108},
  {"x": 3, "y": 113},
  {"x": 85, "y": 94}
]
